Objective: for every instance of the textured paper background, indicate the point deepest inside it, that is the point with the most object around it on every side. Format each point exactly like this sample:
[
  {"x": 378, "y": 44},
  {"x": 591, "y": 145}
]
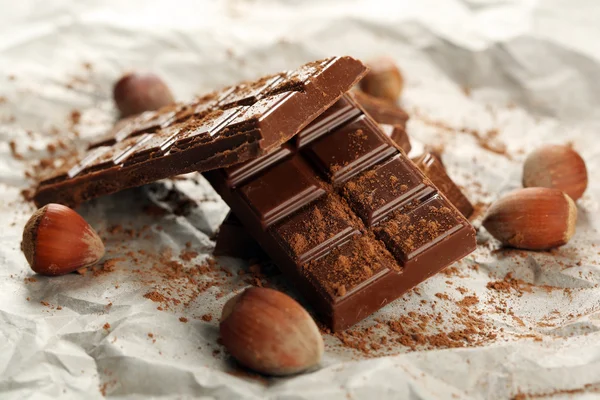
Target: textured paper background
[{"x": 532, "y": 69}]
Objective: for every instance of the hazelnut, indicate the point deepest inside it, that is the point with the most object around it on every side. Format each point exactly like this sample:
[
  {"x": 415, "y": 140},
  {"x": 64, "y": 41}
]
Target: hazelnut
[
  {"x": 269, "y": 332},
  {"x": 555, "y": 166},
  {"x": 532, "y": 219},
  {"x": 135, "y": 93},
  {"x": 383, "y": 80},
  {"x": 57, "y": 240}
]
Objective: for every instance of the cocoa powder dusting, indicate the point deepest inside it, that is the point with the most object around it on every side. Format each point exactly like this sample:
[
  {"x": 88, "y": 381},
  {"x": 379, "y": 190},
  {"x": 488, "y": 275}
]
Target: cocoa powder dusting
[
  {"x": 174, "y": 282},
  {"x": 103, "y": 388},
  {"x": 188, "y": 255},
  {"x": 587, "y": 388},
  {"x": 75, "y": 117},
  {"x": 509, "y": 284},
  {"x": 468, "y": 301},
  {"x": 487, "y": 140},
  {"x": 155, "y": 297},
  {"x": 107, "y": 266},
  {"x": 419, "y": 331},
  {"x": 322, "y": 221},
  {"x": 347, "y": 266}
]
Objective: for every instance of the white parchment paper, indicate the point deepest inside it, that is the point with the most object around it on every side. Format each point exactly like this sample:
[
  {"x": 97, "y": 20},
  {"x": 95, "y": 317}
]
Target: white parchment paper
[{"x": 519, "y": 73}]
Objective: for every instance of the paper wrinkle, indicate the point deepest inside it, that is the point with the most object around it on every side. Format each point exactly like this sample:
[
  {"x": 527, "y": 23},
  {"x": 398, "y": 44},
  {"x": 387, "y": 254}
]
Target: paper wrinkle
[{"x": 533, "y": 71}]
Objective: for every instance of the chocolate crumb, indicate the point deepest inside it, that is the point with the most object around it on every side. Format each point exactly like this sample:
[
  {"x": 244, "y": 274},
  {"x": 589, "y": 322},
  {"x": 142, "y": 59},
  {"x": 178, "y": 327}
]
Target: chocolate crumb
[
  {"x": 13, "y": 150},
  {"x": 468, "y": 301},
  {"x": 442, "y": 296},
  {"x": 155, "y": 296}
]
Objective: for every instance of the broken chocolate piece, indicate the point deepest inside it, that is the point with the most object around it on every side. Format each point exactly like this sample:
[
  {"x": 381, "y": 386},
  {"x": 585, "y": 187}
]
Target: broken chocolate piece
[{"x": 223, "y": 128}]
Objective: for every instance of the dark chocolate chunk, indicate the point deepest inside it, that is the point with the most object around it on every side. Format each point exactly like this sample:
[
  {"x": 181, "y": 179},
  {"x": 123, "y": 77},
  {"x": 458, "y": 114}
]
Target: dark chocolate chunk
[
  {"x": 239, "y": 173},
  {"x": 349, "y": 267},
  {"x": 417, "y": 228},
  {"x": 342, "y": 111}
]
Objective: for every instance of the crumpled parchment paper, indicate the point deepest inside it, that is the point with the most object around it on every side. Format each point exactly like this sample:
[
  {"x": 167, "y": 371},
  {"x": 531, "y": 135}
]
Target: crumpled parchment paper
[{"x": 487, "y": 80}]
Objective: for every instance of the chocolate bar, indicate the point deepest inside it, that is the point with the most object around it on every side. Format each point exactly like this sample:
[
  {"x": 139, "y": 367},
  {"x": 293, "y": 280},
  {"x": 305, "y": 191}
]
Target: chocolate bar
[
  {"x": 223, "y": 128},
  {"x": 433, "y": 168},
  {"x": 345, "y": 215}
]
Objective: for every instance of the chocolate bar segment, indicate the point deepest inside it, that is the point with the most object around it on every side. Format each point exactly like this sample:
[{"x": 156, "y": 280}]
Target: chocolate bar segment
[
  {"x": 222, "y": 128},
  {"x": 310, "y": 234},
  {"x": 433, "y": 168},
  {"x": 349, "y": 268},
  {"x": 418, "y": 228},
  {"x": 346, "y": 215},
  {"x": 343, "y": 110},
  {"x": 349, "y": 149},
  {"x": 271, "y": 201}
]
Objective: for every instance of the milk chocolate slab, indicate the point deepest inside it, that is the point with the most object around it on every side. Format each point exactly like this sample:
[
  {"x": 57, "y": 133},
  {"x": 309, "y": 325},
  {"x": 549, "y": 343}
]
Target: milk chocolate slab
[
  {"x": 433, "y": 168},
  {"x": 222, "y": 128},
  {"x": 346, "y": 215}
]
